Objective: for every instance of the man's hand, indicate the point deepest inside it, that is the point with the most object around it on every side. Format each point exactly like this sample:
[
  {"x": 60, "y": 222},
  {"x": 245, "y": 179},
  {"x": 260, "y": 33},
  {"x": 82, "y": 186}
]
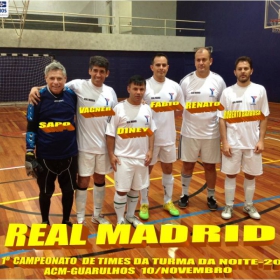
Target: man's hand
[
  {"x": 34, "y": 96},
  {"x": 114, "y": 161},
  {"x": 259, "y": 147},
  {"x": 226, "y": 150},
  {"x": 148, "y": 158},
  {"x": 32, "y": 166}
]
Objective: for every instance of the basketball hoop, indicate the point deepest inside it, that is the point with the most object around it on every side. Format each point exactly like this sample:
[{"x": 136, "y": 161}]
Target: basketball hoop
[{"x": 275, "y": 23}]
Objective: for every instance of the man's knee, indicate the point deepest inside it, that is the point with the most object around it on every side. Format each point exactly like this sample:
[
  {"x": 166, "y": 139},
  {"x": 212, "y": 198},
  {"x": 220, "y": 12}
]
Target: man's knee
[
  {"x": 210, "y": 167},
  {"x": 83, "y": 182},
  {"x": 99, "y": 178}
]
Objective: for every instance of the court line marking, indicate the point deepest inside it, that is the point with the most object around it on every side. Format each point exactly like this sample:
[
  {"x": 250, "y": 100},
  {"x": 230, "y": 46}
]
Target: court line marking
[
  {"x": 110, "y": 179},
  {"x": 272, "y": 138},
  {"x": 164, "y": 220},
  {"x": 111, "y": 185}
]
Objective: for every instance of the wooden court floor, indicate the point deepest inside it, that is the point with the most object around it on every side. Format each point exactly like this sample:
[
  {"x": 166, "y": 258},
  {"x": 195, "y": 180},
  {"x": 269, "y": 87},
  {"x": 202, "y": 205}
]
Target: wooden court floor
[{"x": 19, "y": 204}]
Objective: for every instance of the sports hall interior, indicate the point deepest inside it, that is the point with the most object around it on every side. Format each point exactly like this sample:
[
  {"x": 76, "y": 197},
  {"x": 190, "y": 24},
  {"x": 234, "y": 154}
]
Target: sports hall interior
[{"x": 128, "y": 37}]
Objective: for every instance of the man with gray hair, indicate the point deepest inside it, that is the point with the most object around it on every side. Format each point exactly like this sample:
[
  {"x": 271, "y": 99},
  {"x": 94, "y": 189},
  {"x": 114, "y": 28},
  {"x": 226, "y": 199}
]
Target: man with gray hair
[
  {"x": 51, "y": 131},
  {"x": 93, "y": 159}
]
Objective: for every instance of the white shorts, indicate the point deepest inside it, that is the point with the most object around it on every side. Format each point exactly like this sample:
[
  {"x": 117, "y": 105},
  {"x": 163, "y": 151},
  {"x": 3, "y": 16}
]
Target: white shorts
[
  {"x": 209, "y": 149},
  {"x": 251, "y": 162},
  {"x": 89, "y": 163},
  {"x": 131, "y": 174},
  {"x": 165, "y": 154}
]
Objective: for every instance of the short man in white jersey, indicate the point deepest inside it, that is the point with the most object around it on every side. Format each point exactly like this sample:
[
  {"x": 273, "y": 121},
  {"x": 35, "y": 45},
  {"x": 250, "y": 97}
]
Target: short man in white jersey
[
  {"x": 200, "y": 131},
  {"x": 161, "y": 89},
  {"x": 93, "y": 159},
  {"x": 242, "y": 142},
  {"x": 130, "y": 157}
]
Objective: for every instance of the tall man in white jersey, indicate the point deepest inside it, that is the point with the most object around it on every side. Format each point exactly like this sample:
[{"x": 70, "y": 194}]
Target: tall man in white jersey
[
  {"x": 93, "y": 159},
  {"x": 243, "y": 142},
  {"x": 130, "y": 157},
  {"x": 200, "y": 131},
  {"x": 161, "y": 89}
]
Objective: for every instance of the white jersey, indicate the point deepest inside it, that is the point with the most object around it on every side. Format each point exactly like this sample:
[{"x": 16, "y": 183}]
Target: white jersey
[
  {"x": 165, "y": 122},
  {"x": 128, "y": 115},
  {"x": 91, "y": 131},
  {"x": 244, "y": 135},
  {"x": 201, "y": 125}
]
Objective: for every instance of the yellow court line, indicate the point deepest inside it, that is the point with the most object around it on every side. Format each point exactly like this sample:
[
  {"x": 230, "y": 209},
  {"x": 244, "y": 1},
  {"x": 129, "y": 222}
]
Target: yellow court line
[
  {"x": 113, "y": 184},
  {"x": 37, "y": 197},
  {"x": 110, "y": 179},
  {"x": 267, "y": 159}
]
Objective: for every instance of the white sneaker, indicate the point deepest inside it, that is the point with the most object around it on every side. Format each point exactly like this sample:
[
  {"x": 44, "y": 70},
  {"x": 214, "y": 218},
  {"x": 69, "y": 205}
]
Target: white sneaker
[
  {"x": 133, "y": 221},
  {"x": 227, "y": 212},
  {"x": 83, "y": 222},
  {"x": 100, "y": 220},
  {"x": 252, "y": 212}
]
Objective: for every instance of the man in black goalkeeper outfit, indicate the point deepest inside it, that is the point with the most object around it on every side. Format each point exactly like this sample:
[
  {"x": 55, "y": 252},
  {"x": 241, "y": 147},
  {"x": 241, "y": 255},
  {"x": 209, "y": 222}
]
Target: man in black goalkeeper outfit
[{"x": 51, "y": 132}]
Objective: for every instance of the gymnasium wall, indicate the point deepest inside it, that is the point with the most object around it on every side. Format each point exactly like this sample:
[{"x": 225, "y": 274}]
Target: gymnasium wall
[
  {"x": 122, "y": 64},
  {"x": 235, "y": 28}
]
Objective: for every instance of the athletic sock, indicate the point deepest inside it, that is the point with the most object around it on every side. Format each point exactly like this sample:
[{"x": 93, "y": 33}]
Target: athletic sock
[
  {"x": 67, "y": 203},
  {"x": 230, "y": 185},
  {"x": 186, "y": 180},
  {"x": 144, "y": 196},
  {"x": 167, "y": 182},
  {"x": 45, "y": 203},
  {"x": 249, "y": 189},
  {"x": 132, "y": 200},
  {"x": 81, "y": 199},
  {"x": 210, "y": 192},
  {"x": 98, "y": 198},
  {"x": 119, "y": 205}
]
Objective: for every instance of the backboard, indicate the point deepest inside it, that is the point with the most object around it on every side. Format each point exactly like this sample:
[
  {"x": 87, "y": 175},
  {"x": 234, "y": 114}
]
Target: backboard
[{"x": 272, "y": 15}]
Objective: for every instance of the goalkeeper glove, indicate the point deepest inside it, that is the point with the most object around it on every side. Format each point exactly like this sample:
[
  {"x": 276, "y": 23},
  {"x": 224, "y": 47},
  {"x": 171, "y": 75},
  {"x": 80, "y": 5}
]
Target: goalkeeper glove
[{"x": 32, "y": 166}]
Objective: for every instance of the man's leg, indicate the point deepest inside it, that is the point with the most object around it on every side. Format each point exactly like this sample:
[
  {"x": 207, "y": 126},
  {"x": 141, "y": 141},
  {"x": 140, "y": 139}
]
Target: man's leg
[
  {"x": 249, "y": 189},
  {"x": 251, "y": 166},
  {"x": 231, "y": 167},
  {"x": 186, "y": 176},
  {"x": 167, "y": 183},
  {"x": 81, "y": 198},
  {"x": 46, "y": 185},
  {"x": 67, "y": 182},
  {"x": 210, "y": 177},
  {"x": 144, "y": 208},
  {"x": 230, "y": 186},
  {"x": 98, "y": 199},
  {"x": 120, "y": 200}
]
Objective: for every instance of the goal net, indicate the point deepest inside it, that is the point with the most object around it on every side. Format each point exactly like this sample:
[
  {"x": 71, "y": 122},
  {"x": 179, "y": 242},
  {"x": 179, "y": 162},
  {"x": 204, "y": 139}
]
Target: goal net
[{"x": 19, "y": 73}]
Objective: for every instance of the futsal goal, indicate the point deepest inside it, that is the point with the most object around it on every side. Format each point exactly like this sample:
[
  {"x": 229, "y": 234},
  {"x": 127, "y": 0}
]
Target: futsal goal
[{"x": 19, "y": 73}]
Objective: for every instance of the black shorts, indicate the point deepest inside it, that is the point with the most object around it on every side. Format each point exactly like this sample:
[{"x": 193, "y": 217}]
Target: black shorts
[{"x": 65, "y": 170}]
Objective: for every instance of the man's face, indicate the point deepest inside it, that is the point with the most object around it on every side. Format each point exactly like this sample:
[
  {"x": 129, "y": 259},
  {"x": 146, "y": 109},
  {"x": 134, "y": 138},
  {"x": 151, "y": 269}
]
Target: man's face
[
  {"x": 98, "y": 75},
  {"x": 243, "y": 72},
  {"x": 159, "y": 68},
  {"x": 136, "y": 93},
  {"x": 55, "y": 80},
  {"x": 202, "y": 62}
]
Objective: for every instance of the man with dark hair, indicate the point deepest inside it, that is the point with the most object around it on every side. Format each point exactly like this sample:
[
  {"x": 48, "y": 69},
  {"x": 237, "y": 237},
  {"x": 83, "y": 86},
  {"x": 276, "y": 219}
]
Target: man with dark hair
[
  {"x": 243, "y": 141},
  {"x": 130, "y": 157},
  {"x": 161, "y": 89},
  {"x": 51, "y": 131},
  {"x": 200, "y": 131},
  {"x": 93, "y": 159}
]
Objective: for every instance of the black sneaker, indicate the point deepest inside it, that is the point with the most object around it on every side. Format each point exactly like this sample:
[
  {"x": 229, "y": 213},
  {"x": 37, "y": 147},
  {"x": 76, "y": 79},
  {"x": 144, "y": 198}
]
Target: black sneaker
[
  {"x": 183, "y": 201},
  {"x": 68, "y": 223},
  {"x": 45, "y": 223},
  {"x": 212, "y": 204}
]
